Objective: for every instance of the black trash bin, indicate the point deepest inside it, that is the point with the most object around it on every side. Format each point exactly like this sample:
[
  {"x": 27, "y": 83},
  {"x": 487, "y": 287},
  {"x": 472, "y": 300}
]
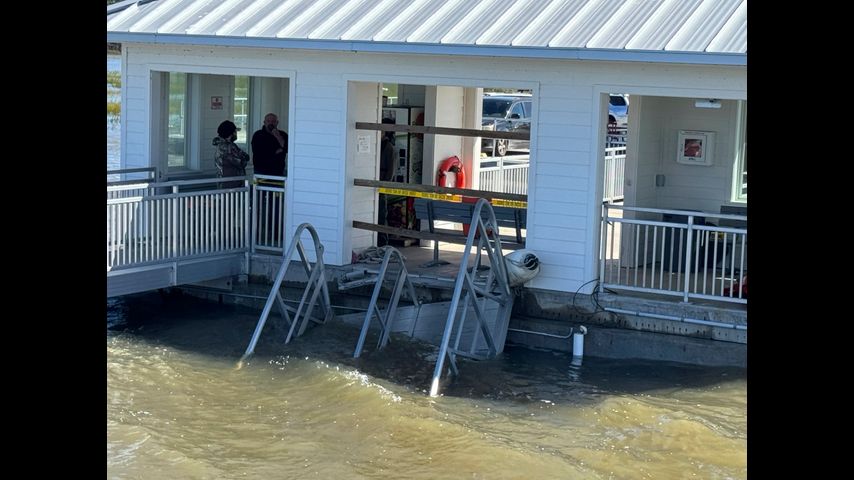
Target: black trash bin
[{"x": 671, "y": 243}]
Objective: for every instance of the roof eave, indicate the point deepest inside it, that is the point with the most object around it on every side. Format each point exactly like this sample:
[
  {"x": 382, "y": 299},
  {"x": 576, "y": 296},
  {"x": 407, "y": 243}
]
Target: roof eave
[{"x": 613, "y": 55}]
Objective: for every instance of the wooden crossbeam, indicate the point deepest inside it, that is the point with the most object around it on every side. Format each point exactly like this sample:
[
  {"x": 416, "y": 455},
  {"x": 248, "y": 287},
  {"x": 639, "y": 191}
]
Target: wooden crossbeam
[{"x": 459, "y": 132}]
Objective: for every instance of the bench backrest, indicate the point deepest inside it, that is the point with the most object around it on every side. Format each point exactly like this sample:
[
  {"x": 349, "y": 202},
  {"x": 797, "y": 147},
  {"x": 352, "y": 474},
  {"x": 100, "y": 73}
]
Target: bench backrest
[{"x": 462, "y": 212}]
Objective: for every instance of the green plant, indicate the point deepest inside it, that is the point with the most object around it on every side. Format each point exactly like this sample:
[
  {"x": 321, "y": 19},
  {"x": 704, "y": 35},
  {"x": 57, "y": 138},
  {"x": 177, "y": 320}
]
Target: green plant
[{"x": 114, "y": 79}]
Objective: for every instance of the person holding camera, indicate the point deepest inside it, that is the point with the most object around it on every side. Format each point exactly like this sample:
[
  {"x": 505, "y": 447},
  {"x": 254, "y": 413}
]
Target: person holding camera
[
  {"x": 270, "y": 156},
  {"x": 270, "y": 148}
]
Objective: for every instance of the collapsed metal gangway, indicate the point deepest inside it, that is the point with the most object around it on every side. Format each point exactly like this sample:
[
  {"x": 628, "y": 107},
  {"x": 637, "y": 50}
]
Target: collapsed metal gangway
[
  {"x": 384, "y": 318},
  {"x": 488, "y": 296},
  {"x": 315, "y": 288},
  {"x": 479, "y": 291}
]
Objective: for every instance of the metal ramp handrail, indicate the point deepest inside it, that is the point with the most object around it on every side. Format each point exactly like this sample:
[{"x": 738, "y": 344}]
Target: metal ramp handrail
[
  {"x": 495, "y": 288},
  {"x": 386, "y": 320},
  {"x": 315, "y": 286}
]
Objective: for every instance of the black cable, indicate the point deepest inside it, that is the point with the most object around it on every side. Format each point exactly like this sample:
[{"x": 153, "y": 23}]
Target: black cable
[{"x": 576, "y": 295}]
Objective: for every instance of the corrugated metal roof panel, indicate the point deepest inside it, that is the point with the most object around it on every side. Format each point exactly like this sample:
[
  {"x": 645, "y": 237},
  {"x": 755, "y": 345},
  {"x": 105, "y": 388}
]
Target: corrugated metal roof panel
[
  {"x": 342, "y": 20},
  {"x": 702, "y": 26},
  {"x": 662, "y": 25},
  {"x": 219, "y": 17},
  {"x": 578, "y": 31},
  {"x": 403, "y": 25},
  {"x": 733, "y": 36},
  {"x": 151, "y": 19},
  {"x": 545, "y": 28},
  {"x": 624, "y": 24},
  {"x": 373, "y": 21},
  {"x": 452, "y": 13},
  {"x": 250, "y": 15},
  {"x": 186, "y": 18},
  {"x": 121, "y": 20},
  {"x": 277, "y": 19},
  {"x": 486, "y": 14},
  {"x": 313, "y": 17},
  {"x": 506, "y": 28}
]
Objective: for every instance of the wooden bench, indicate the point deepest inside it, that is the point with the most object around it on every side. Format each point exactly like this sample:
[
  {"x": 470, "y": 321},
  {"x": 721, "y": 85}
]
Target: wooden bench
[
  {"x": 437, "y": 210},
  {"x": 432, "y": 211}
]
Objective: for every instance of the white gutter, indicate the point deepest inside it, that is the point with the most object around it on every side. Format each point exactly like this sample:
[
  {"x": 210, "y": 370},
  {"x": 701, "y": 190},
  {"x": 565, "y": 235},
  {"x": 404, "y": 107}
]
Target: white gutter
[{"x": 612, "y": 55}]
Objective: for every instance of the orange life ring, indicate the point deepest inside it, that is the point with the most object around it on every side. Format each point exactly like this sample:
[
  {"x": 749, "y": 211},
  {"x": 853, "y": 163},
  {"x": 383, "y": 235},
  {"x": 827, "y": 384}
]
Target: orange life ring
[
  {"x": 451, "y": 164},
  {"x": 454, "y": 164}
]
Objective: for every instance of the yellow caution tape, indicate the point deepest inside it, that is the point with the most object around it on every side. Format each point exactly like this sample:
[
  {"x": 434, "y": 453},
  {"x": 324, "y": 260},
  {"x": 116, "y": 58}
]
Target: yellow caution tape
[
  {"x": 509, "y": 203},
  {"x": 447, "y": 197}
]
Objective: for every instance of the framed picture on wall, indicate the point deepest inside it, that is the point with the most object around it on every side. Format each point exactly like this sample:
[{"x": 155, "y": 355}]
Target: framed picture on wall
[{"x": 695, "y": 147}]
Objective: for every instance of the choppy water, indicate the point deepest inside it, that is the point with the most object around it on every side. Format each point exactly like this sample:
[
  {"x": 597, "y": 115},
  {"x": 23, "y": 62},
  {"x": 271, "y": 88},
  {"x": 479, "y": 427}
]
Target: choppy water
[{"x": 177, "y": 407}]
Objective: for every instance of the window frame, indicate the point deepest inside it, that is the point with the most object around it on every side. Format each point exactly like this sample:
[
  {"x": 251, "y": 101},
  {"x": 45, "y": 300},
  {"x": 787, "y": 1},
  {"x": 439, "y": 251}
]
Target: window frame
[{"x": 739, "y": 171}]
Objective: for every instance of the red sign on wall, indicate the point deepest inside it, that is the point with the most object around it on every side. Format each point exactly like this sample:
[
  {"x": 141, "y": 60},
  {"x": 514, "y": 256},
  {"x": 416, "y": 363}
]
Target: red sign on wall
[{"x": 216, "y": 103}]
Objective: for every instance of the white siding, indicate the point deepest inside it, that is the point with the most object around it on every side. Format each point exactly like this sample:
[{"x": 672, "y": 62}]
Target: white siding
[
  {"x": 563, "y": 208},
  {"x": 363, "y": 106},
  {"x": 213, "y": 86}
]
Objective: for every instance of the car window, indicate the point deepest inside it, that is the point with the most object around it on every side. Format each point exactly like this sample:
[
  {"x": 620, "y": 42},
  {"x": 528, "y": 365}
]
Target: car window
[
  {"x": 617, "y": 101},
  {"x": 528, "y": 106},
  {"x": 517, "y": 110},
  {"x": 494, "y": 107}
]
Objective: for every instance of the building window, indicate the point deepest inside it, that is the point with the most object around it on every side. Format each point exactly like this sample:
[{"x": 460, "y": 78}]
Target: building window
[
  {"x": 241, "y": 110},
  {"x": 177, "y": 132},
  {"x": 739, "y": 184}
]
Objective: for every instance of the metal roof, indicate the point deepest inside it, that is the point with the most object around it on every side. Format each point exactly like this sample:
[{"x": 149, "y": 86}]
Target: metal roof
[{"x": 685, "y": 31}]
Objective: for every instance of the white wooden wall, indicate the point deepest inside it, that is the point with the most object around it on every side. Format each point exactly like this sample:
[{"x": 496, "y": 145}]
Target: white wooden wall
[
  {"x": 213, "y": 86},
  {"x": 565, "y": 190},
  {"x": 703, "y": 188},
  {"x": 364, "y": 105}
]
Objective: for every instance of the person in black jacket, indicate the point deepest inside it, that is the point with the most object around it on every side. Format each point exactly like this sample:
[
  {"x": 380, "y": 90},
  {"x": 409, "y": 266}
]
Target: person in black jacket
[
  {"x": 229, "y": 158},
  {"x": 270, "y": 156},
  {"x": 270, "y": 148}
]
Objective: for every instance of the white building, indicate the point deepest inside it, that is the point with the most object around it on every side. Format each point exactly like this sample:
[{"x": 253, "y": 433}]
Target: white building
[{"x": 321, "y": 65}]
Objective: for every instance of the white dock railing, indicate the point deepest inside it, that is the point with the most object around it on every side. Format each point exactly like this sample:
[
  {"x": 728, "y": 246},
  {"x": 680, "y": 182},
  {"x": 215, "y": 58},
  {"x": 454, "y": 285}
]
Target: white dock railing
[
  {"x": 674, "y": 252},
  {"x": 615, "y": 168},
  {"x": 155, "y": 228},
  {"x": 268, "y": 201},
  {"x": 130, "y": 182},
  {"x": 509, "y": 175},
  {"x": 152, "y": 222}
]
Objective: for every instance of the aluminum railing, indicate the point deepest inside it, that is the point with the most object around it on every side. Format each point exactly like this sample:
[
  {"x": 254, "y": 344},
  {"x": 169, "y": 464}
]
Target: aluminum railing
[
  {"x": 151, "y": 222},
  {"x": 268, "y": 201},
  {"x": 166, "y": 227},
  {"x": 509, "y": 175},
  {"x": 615, "y": 168},
  {"x": 674, "y": 252},
  {"x": 616, "y": 138},
  {"x": 130, "y": 182},
  {"x": 116, "y": 177}
]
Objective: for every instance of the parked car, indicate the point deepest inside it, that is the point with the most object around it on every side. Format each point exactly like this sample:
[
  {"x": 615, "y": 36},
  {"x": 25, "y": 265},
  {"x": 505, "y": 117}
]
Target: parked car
[
  {"x": 506, "y": 113},
  {"x": 618, "y": 109}
]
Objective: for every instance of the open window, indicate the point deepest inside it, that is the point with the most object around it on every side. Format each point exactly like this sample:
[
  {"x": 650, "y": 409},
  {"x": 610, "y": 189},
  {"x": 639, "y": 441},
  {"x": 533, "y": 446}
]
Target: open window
[{"x": 188, "y": 107}]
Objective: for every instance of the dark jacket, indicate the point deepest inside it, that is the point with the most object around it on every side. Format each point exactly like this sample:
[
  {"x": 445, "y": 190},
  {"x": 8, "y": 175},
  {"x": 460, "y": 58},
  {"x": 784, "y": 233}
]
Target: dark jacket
[
  {"x": 264, "y": 156},
  {"x": 229, "y": 158}
]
